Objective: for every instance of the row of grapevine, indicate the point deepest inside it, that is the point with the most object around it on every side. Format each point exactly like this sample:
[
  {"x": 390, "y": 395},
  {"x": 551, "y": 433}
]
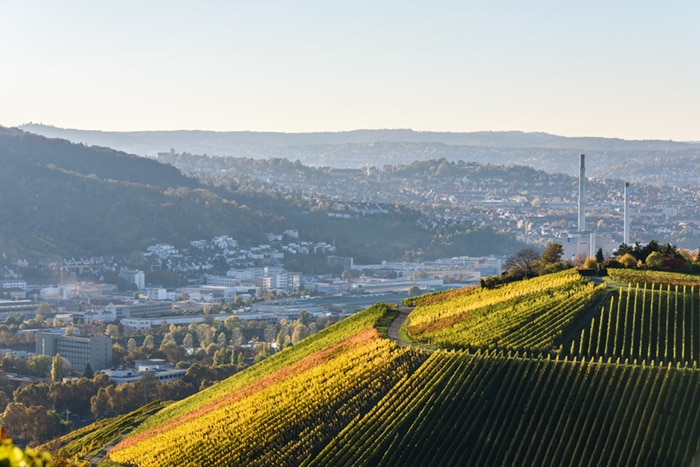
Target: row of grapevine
[
  {"x": 373, "y": 432},
  {"x": 657, "y": 277},
  {"x": 522, "y": 319},
  {"x": 645, "y": 322},
  {"x": 496, "y": 409},
  {"x": 291, "y": 418}
]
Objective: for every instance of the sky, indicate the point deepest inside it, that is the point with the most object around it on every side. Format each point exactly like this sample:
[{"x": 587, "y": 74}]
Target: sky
[{"x": 627, "y": 69}]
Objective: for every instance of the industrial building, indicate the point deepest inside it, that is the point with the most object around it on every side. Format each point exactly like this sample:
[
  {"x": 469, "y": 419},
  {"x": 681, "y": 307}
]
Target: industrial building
[
  {"x": 95, "y": 351},
  {"x": 585, "y": 242}
]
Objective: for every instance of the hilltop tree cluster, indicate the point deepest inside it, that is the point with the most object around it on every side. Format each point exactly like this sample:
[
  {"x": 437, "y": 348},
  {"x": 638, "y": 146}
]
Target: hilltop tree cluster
[
  {"x": 529, "y": 262},
  {"x": 655, "y": 256}
]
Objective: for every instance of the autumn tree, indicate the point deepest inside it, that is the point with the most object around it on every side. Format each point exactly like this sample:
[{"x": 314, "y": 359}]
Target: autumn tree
[
  {"x": 57, "y": 368},
  {"x": 33, "y": 424},
  {"x": 628, "y": 260},
  {"x": 522, "y": 264},
  {"x": 553, "y": 253},
  {"x": 33, "y": 394},
  {"x": 655, "y": 260},
  {"x": 300, "y": 332}
]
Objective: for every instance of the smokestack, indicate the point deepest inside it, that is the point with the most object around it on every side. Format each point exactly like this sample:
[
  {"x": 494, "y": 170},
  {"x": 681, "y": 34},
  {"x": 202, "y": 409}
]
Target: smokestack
[
  {"x": 581, "y": 194},
  {"x": 626, "y": 230}
]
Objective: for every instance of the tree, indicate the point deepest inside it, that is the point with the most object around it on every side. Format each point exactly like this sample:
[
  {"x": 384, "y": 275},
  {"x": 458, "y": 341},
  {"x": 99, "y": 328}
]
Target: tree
[
  {"x": 590, "y": 263},
  {"x": 304, "y": 317},
  {"x": 413, "y": 291},
  {"x": 553, "y": 253},
  {"x": 102, "y": 403},
  {"x": 599, "y": 256},
  {"x": 168, "y": 338},
  {"x": 232, "y": 322},
  {"x": 670, "y": 251},
  {"x": 300, "y": 332},
  {"x": 112, "y": 331},
  {"x": 149, "y": 342},
  {"x": 628, "y": 260},
  {"x": 522, "y": 263},
  {"x": 188, "y": 341},
  {"x": 88, "y": 373},
  {"x": 4, "y": 400},
  {"x": 270, "y": 332},
  {"x": 623, "y": 249},
  {"x": 33, "y": 394},
  {"x": 655, "y": 260},
  {"x": 222, "y": 357},
  {"x": 221, "y": 339},
  {"x": 237, "y": 337},
  {"x": 39, "y": 364},
  {"x": 42, "y": 310},
  {"x": 33, "y": 424},
  {"x": 173, "y": 352},
  {"x": 57, "y": 368},
  {"x": 262, "y": 351}
]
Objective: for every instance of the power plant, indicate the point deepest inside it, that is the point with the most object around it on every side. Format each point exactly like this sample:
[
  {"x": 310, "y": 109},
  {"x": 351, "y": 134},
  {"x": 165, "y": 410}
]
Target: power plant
[{"x": 585, "y": 242}]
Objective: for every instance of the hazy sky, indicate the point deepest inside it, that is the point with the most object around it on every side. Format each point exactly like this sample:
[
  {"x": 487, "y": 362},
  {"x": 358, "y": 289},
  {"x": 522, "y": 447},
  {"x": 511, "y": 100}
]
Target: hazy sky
[{"x": 628, "y": 69}]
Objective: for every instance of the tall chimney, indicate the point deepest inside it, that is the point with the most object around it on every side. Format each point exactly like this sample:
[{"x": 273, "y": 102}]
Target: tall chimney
[
  {"x": 626, "y": 230},
  {"x": 581, "y": 194}
]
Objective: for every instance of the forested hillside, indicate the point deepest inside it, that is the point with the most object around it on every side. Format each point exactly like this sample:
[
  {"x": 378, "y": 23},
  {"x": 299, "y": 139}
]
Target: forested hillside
[{"x": 62, "y": 199}]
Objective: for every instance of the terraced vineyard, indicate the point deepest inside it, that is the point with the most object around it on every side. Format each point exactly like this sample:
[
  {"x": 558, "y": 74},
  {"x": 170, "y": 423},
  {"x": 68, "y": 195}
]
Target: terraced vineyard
[{"x": 553, "y": 370}]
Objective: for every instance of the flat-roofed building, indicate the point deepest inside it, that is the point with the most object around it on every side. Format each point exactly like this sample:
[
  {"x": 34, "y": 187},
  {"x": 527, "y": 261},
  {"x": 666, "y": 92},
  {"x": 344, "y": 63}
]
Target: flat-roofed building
[
  {"x": 79, "y": 351},
  {"x": 147, "y": 309}
]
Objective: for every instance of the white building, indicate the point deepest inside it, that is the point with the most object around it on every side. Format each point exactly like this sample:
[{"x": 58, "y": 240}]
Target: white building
[
  {"x": 222, "y": 281},
  {"x": 587, "y": 244},
  {"x": 134, "y": 277},
  {"x": 162, "y": 370},
  {"x": 157, "y": 294},
  {"x": 14, "y": 284}
]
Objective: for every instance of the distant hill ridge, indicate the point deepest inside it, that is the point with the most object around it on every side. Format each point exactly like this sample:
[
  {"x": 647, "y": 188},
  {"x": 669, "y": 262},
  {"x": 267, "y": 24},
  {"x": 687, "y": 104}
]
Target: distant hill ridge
[
  {"x": 496, "y": 139},
  {"x": 642, "y": 161}
]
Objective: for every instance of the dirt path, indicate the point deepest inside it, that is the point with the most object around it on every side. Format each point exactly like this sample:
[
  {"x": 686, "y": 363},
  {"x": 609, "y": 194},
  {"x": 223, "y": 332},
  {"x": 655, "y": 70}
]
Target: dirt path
[{"x": 397, "y": 323}]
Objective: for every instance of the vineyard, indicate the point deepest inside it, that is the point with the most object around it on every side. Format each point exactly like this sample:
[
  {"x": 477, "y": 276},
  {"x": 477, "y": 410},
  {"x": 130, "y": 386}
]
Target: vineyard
[
  {"x": 552, "y": 370},
  {"x": 496, "y": 409},
  {"x": 646, "y": 323},
  {"x": 531, "y": 315},
  {"x": 288, "y": 414}
]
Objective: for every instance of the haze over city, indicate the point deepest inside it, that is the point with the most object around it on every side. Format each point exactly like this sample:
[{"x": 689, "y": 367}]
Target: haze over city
[{"x": 618, "y": 69}]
